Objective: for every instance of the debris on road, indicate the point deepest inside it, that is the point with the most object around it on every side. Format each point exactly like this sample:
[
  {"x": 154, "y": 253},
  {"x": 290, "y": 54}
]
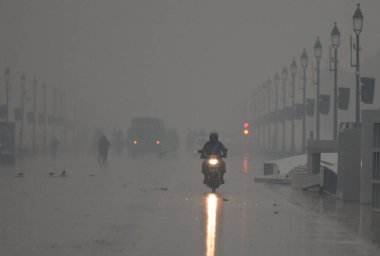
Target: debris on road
[
  {"x": 162, "y": 189},
  {"x": 103, "y": 242},
  {"x": 63, "y": 174},
  {"x": 20, "y": 175},
  {"x": 51, "y": 174},
  {"x": 225, "y": 199}
]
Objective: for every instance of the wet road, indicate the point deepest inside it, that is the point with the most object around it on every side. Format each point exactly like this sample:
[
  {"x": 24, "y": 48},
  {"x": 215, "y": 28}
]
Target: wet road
[{"x": 150, "y": 206}]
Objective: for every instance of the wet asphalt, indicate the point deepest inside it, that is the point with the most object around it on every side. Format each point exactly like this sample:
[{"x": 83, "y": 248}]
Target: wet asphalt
[{"x": 159, "y": 206}]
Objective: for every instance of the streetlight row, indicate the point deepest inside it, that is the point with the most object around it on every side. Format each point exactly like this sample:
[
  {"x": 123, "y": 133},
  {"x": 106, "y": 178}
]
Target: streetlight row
[
  {"x": 58, "y": 98},
  {"x": 58, "y": 116},
  {"x": 263, "y": 115}
]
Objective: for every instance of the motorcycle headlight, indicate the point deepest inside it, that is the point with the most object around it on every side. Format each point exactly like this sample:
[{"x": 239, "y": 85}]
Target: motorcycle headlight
[{"x": 213, "y": 161}]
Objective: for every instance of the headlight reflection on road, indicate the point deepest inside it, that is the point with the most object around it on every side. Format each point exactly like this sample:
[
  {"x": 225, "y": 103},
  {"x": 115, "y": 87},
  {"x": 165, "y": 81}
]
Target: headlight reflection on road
[{"x": 212, "y": 210}]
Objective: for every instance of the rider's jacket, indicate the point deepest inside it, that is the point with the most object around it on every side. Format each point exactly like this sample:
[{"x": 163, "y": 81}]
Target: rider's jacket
[{"x": 213, "y": 148}]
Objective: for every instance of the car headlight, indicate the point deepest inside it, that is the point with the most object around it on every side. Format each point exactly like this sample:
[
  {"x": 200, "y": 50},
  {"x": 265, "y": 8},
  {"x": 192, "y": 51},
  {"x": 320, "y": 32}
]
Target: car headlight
[
  {"x": 213, "y": 161},
  {"x": 135, "y": 142}
]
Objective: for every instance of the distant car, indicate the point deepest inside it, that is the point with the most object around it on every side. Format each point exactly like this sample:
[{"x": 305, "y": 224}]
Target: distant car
[{"x": 146, "y": 135}]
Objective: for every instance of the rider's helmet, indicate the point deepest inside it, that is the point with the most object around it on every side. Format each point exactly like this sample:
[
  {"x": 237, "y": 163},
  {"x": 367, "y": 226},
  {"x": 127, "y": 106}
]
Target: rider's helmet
[{"x": 213, "y": 137}]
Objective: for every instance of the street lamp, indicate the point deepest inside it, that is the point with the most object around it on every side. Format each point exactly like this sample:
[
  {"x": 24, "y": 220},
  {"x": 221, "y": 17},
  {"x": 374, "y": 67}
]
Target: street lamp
[
  {"x": 258, "y": 117},
  {"x": 54, "y": 108},
  {"x": 34, "y": 114},
  {"x": 293, "y": 72},
  {"x": 22, "y": 108},
  {"x": 44, "y": 105},
  {"x": 64, "y": 109},
  {"x": 276, "y": 84},
  {"x": 284, "y": 78},
  {"x": 7, "y": 78},
  {"x": 317, "y": 55},
  {"x": 304, "y": 64},
  {"x": 268, "y": 89},
  {"x": 357, "y": 20},
  {"x": 335, "y": 36},
  {"x": 335, "y": 42},
  {"x": 263, "y": 114}
]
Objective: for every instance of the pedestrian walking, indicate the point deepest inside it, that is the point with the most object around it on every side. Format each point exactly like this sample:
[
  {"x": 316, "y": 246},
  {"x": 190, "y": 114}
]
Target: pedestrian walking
[{"x": 103, "y": 145}]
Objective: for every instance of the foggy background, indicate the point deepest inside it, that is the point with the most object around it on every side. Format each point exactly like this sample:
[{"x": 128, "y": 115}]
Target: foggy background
[{"x": 192, "y": 63}]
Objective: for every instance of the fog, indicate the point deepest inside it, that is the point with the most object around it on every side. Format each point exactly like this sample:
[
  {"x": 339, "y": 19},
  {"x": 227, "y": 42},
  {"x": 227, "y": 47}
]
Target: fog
[
  {"x": 192, "y": 63},
  {"x": 77, "y": 179}
]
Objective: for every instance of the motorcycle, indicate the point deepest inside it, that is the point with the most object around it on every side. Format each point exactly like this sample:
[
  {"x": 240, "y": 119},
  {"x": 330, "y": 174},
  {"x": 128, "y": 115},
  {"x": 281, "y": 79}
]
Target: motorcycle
[{"x": 213, "y": 164}]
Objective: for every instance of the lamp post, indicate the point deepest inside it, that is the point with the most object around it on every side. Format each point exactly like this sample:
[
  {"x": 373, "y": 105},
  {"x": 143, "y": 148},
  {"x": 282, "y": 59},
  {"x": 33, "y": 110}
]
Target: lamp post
[
  {"x": 335, "y": 42},
  {"x": 357, "y": 19},
  {"x": 268, "y": 88},
  {"x": 60, "y": 113},
  {"x": 34, "y": 114},
  {"x": 293, "y": 72},
  {"x": 304, "y": 64},
  {"x": 75, "y": 119},
  {"x": 262, "y": 116},
  {"x": 22, "y": 109},
  {"x": 7, "y": 78},
  {"x": 284, "y": 78},
  {"x": 44, "y": 104},
  {"x": 264, "y": 121},
  {"x": 276, "y": 84},
  {"x": 64, "y": 108},
  {"x": 317, "y": 55},
  {"x": 259, "y": 115},
  {"x": 54, "y": 107}
]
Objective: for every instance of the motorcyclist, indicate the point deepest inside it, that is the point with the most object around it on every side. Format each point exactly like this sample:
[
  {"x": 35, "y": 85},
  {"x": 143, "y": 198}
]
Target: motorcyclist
[
  {"x": 103, "y": 145},
  {"x": 213, "y": 147}
]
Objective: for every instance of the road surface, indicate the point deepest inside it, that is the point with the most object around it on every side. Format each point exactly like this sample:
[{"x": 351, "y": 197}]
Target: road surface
[{"x": 150, "y": 206}]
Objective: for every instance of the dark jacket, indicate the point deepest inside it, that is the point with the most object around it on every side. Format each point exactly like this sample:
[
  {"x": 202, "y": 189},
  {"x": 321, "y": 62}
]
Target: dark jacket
[
  {"x": 103, "y": 144},
  {"x": 213, "y": 148}
]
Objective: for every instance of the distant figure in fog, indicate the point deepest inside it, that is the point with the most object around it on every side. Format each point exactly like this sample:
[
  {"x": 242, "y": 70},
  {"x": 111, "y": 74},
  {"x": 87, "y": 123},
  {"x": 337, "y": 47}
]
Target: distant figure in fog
[
  {"x": 103, "y": 145},
  {"x": 54, "y": 146}
]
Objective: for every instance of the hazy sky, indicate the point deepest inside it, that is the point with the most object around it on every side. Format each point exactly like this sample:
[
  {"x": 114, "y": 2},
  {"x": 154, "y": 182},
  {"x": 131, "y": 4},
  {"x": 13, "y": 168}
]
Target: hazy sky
[{"x": 191, "y": 62}]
